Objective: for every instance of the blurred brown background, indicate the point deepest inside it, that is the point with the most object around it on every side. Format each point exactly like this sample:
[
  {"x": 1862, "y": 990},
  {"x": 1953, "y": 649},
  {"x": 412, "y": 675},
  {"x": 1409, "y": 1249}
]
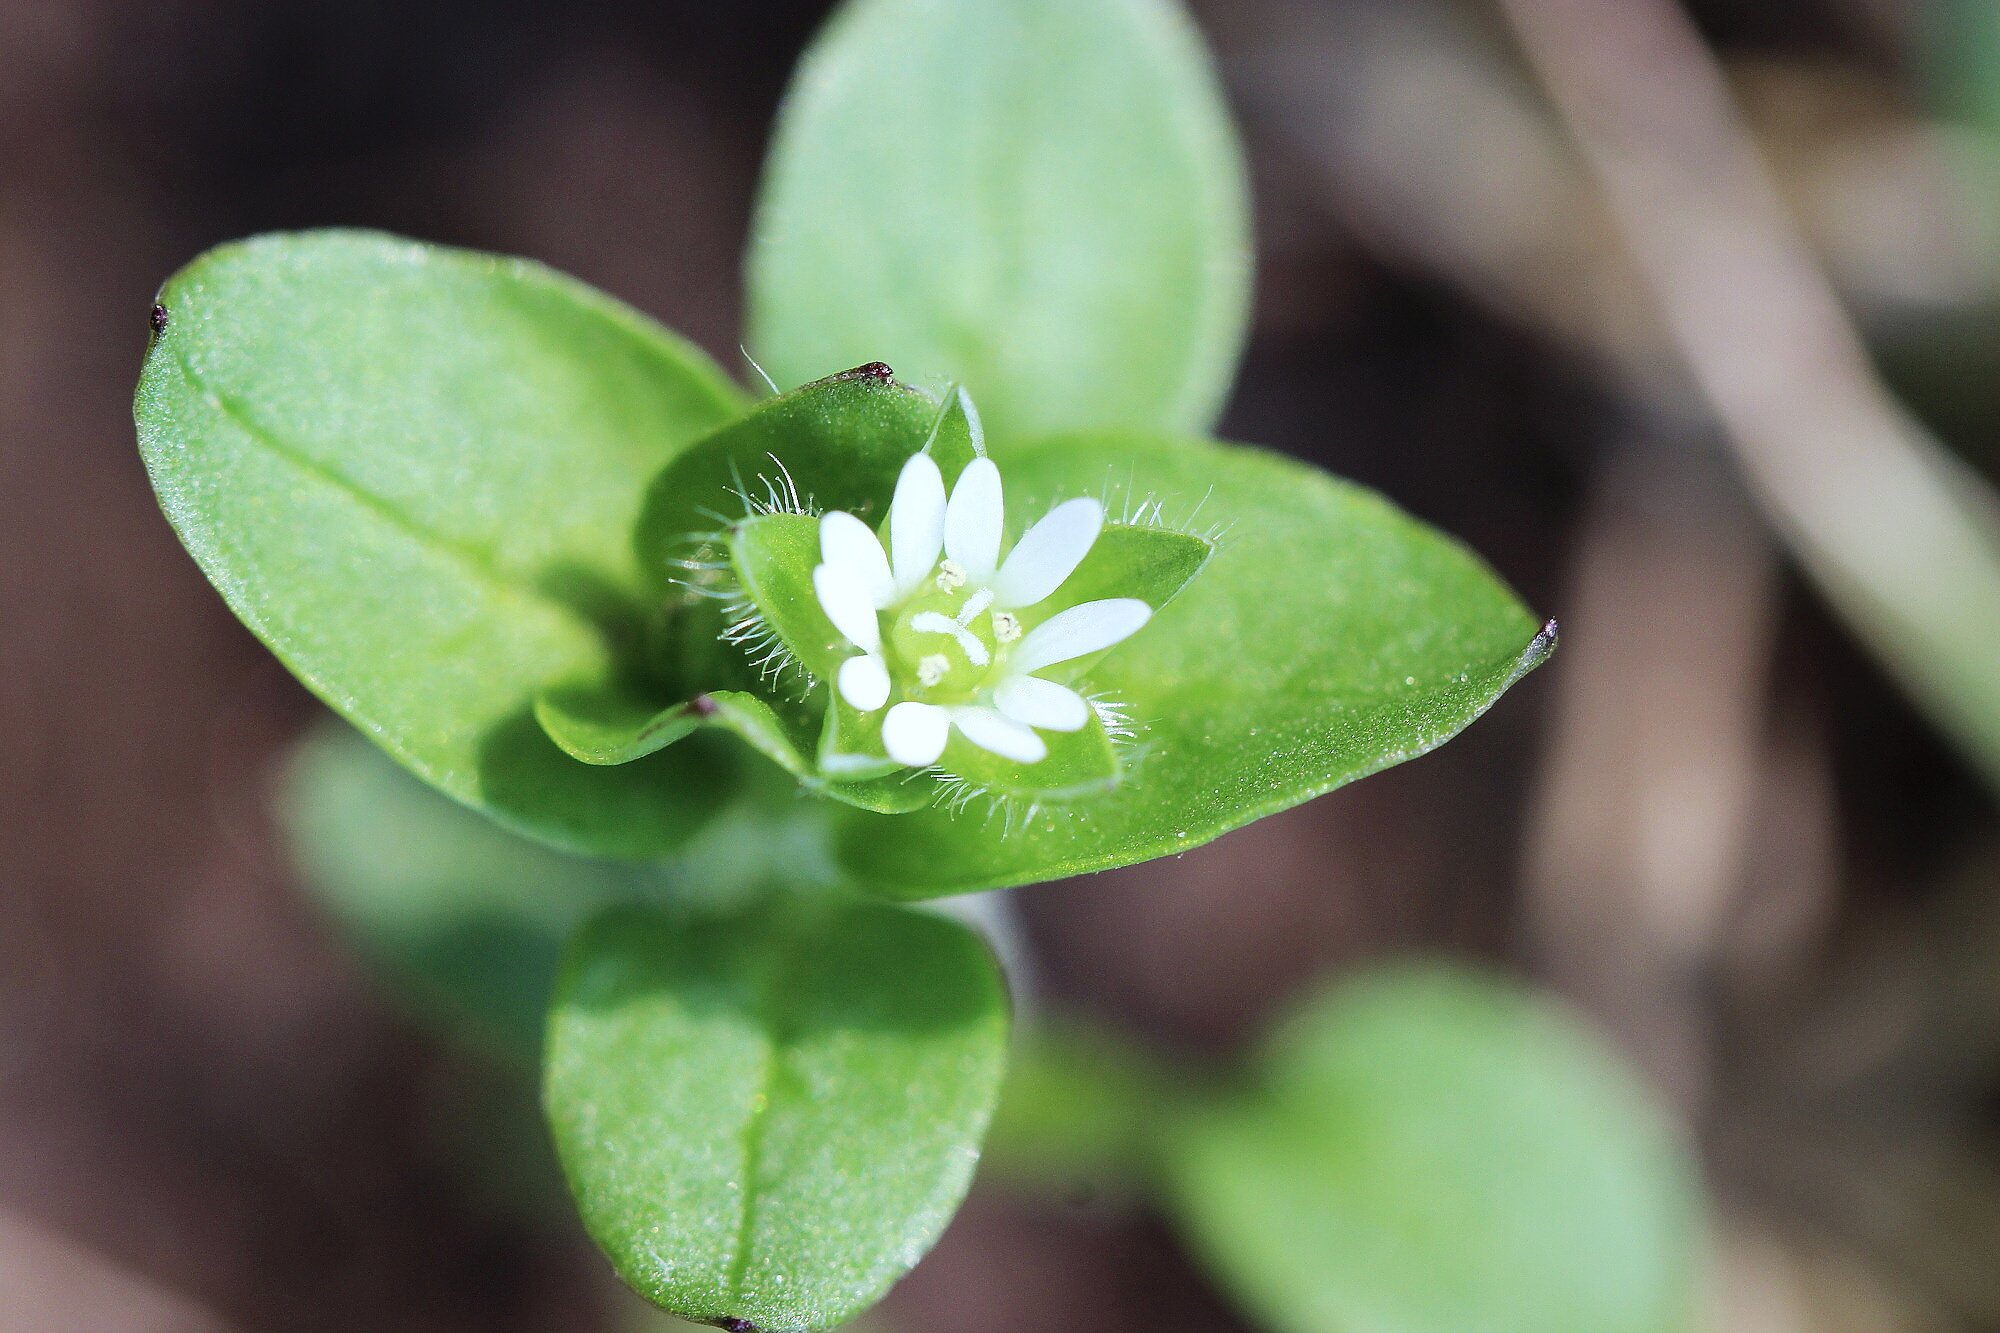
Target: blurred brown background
[{"x": 1711, "y": 820}]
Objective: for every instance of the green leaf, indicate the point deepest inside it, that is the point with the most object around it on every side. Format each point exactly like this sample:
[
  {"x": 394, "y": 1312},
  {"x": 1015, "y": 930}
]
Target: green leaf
[
  {"x": 1430, "y": 1152},
  {"x": 467, "y": 919},
  {"x": 1038, "y": 198},
  {"x": 413, "y": 473},
  {"x": 1330, "y": 636},
  {"x": 836, "y": 444},
  {"x": 611, "y": 723},
  {"x": 771, "y": 1119}
]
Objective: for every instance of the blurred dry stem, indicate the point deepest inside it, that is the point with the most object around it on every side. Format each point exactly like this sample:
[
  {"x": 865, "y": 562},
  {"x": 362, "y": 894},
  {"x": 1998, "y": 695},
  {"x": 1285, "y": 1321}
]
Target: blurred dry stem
[
  {"x": 1899, "y": 535},
  {"x": 1640, "y": 840},
  {"x": 51, "y": 1284}
]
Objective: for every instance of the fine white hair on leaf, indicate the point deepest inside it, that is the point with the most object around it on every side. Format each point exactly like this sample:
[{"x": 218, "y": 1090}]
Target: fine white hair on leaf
[
  {"x": 772, "y": 495},
  {"x": 1125, "y": 506},
  {"x": 762, "y": 374},
  {"x": 745, "y": 629}
]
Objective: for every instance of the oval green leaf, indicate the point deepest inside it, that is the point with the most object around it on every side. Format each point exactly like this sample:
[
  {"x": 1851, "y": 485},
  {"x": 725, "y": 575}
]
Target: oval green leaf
[
  {"x": 1431, "y": 1152},
  {"x": 1330, "y": 636},
  {"x": 413, "y": 472},
  {"x": 1040, "y": 199},
  {"x": 771, "y": 1119}
]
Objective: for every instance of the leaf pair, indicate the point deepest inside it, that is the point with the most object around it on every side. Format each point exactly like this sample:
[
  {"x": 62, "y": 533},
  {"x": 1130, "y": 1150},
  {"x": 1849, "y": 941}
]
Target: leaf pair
[{"x": 444, "y": 487}]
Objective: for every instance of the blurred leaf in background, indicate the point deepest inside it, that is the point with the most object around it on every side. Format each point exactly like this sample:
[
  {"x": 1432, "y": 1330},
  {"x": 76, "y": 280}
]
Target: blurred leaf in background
[
  {"x": 1041, "y": 199},
  {"x": 1416, "y": 1149}
]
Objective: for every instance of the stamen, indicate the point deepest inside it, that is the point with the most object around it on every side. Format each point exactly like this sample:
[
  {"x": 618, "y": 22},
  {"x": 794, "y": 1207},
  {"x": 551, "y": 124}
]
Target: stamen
[
  {"x": 1006, "y": 626},
  {"x": 932, "y": 669},
  {"x": 951, "y": 576}
]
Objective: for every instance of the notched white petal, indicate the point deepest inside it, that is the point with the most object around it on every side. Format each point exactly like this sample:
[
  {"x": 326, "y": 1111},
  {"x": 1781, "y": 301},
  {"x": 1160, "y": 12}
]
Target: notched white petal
[
  {"x": 864, "y": 682},
  {"x": 844, "y": 598},
  {"x": 1000, "y": 735},
  {"x": 914, "y": 734},
  {"x": 916, "y": 522},
  {"x": 1049, "y": 553},
  {"x": 1080, "y": 630},
  {"x": 847, "y": 543},
  {"x": 1034, "y": 702},
  {"x": 974, "y": 519}
]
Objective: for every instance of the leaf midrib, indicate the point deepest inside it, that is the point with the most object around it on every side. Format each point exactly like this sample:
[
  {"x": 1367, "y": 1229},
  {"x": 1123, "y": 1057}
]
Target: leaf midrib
[
  {"x": 479, "y": 562},
  {"x": 774, "y": 1018}
]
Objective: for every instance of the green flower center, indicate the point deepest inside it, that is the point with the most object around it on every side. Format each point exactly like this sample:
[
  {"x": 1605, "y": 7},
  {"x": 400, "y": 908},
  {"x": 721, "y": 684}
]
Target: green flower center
[{"x": 944, "y": 645}]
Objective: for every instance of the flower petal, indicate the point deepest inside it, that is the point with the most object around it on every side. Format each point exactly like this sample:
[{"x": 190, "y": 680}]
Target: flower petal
[
  {"x": 916, "y": 522},
  {"x": 864, "y": 681},
  {"x": 973, "y": 520},
  {"x": 1034, "y": 702},
  {"x": 844, "y": 598},
  {"x": 1002, "y": 735},
  {"x": 1083, "y": 629},
  {"x": 1048, "y": 553},
  {"x": 848, "y": 543},
  {"x": 914, "y": 734}
]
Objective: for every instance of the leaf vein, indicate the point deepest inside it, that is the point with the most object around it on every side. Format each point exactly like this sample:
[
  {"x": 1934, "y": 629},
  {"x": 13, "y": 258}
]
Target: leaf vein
[{"x": 480, "y": 563}]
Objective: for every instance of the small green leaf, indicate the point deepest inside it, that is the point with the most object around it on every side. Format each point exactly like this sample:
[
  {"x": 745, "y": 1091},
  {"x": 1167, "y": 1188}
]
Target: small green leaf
[
  {"x": 772, "y": 1119},
  {"x": 611, "y": 724},
  {"x": 413, "y": 472},
  {"x": 1039, "y": 198},
  {"x": 1430, "y": 1152},
  {"x": 1329, "y": 637}
]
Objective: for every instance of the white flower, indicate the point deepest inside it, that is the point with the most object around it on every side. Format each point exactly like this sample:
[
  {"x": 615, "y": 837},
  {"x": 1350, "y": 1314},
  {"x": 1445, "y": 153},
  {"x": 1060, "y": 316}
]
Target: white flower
[{"x": 947, "y": 631}]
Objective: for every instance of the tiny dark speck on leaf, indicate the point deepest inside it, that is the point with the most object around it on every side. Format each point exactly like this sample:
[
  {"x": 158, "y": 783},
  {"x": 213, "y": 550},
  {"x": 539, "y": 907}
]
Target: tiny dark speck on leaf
[
  {"x": 875, "y": 370},
  {"x": 703, "y": 705},
  {"x": 736, "y": 1325},
  {"x": 159, "y": 320}
]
